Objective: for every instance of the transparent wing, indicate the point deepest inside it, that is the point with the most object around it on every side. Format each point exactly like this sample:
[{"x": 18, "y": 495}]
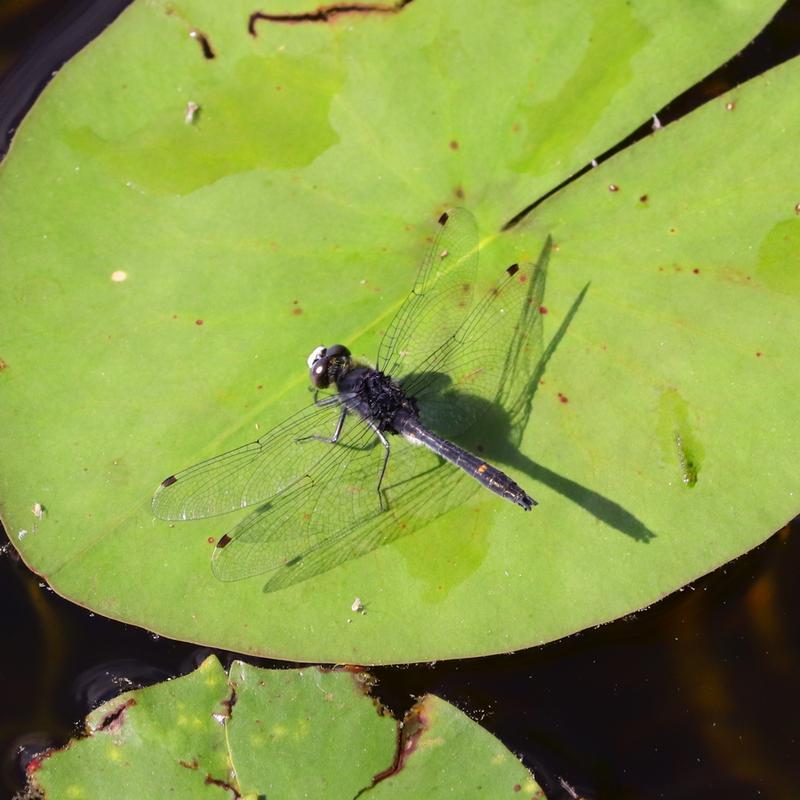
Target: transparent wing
[
  {"x": 249, "y": 474},
  {"x": 487, "y": 363},
  {"x": 441, "y": 297},
  {"x": 338, "y": 492},
  {"x": 336, "y": 515}
]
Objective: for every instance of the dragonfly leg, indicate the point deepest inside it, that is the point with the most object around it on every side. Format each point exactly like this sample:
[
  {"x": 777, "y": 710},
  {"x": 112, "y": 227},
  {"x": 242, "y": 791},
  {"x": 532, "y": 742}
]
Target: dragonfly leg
[
  {"x": 385, "y": 442},
  {"x": 327, "y": 439}
]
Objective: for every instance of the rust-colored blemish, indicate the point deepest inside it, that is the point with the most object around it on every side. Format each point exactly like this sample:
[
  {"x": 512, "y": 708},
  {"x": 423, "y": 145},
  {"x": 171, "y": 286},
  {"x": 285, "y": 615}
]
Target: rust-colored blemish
[
  {"x": 562, "y": 398},
  {"x": 643, "y": 198},
  {"x": 696, "y": 271},
  {"x": 199, "y": 322},
  {"x": 229, "y": 702},
  {"x": 326, "y": 13},
  {"x": 3, "y": 365},
  {"x": 453, "y": 144},
  {"x": 459, "y": 192},
  {"x": 542, "y": 309},
  {"x": 115, "y": 719},
  {"x": 759, "y": 354},
  {"x": 189, "y": 764},
  {"x": 297, "y": 311},
  {"x": 212, "y": 781},
  {"x": 408, "y": 735},
  {"x": 210, "y": 540}
]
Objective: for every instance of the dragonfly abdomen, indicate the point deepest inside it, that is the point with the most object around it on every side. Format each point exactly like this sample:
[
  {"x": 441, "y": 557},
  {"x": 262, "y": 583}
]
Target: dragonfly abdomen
[{"x": 492, "y": 478}]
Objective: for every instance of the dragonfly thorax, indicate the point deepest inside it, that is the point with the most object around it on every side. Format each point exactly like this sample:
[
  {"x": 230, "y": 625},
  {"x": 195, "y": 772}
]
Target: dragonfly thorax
[{"x": 376, "y": 397}]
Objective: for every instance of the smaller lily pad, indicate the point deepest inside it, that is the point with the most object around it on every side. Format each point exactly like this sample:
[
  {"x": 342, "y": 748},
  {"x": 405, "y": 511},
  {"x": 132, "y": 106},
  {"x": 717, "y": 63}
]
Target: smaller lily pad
[{"x": 279, "y": 734}]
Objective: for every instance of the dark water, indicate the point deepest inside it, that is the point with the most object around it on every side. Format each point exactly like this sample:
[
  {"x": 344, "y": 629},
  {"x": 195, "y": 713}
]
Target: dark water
[{"x": 696, "y": 697}]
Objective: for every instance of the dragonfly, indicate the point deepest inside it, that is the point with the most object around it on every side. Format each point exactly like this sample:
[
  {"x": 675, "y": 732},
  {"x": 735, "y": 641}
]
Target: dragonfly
[{"x": 373, "y": 457}]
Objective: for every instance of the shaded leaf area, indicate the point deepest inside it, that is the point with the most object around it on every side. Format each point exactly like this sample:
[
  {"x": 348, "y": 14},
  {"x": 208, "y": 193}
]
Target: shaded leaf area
[
  {"x": 276, "y": 733},
  {"x": 180, "y": 231}
]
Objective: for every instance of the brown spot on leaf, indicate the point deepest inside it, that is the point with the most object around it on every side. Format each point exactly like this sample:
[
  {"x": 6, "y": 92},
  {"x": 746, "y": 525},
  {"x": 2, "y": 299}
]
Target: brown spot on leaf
[
  {"x": 326, "y": 13},
  {"x": 204, "y": 42},
  {"x": 115, "y": 719}
]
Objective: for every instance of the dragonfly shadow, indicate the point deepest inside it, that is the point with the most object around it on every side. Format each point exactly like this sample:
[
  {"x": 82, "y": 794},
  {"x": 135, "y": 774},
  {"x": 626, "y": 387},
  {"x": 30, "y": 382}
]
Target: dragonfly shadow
[{"x": 504, "y": 423}]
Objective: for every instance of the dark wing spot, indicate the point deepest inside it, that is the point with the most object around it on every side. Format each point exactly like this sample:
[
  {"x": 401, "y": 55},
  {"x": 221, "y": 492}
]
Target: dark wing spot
[
  {"x": 513, "y": 269},
  {"x": 224, "y": 541},
  {"x": 443, "y": 218},
  {"x": 168, "y": 481}
]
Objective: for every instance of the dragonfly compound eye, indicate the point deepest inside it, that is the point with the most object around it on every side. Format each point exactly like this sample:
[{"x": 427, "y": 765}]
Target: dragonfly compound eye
[
  {"x": 338, "y": 351},
  {"x": 320, "y": 378}
]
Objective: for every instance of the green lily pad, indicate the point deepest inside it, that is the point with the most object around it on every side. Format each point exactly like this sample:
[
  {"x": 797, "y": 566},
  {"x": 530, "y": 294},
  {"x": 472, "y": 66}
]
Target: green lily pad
[
  {"x": 168, "y": 268},
  {"x": 277, "y": 733}
]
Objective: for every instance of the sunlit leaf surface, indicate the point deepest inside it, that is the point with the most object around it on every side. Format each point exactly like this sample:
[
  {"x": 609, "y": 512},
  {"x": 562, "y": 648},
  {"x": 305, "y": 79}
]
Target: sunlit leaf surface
[{"x": 166, "y": 271}]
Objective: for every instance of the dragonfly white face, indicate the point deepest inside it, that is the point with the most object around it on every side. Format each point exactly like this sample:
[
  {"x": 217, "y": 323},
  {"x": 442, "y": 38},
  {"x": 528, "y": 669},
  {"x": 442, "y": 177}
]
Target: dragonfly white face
[{"x": 316, "y": 354}]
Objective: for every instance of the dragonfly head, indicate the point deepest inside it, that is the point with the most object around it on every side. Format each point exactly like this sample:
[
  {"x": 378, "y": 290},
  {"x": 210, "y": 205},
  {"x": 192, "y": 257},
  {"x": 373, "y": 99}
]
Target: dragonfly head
[{"x": 327, "y": 364}]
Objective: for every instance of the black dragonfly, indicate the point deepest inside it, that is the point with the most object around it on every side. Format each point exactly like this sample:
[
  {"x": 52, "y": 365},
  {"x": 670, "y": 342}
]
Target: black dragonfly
[{"x": 335, "y": 480}]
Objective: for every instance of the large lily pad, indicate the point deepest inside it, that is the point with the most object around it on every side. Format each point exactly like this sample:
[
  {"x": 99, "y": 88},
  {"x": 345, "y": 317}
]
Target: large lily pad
[
  {"x": 277, "y": 733},
  {"x": 164, "y": 280}
]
